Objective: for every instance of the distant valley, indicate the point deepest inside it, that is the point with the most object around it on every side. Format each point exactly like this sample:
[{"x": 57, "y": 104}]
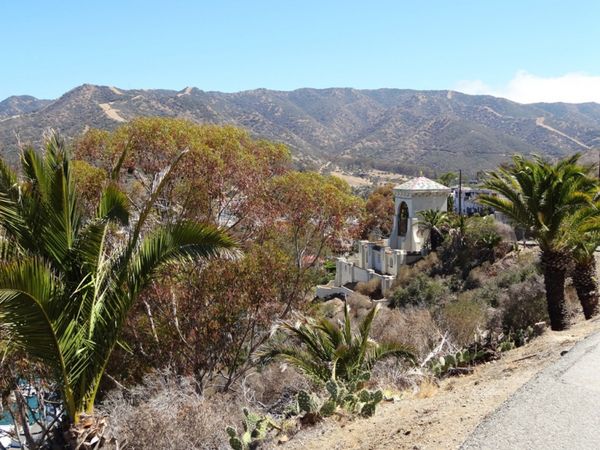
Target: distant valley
[{"x": 390, "y": 129}]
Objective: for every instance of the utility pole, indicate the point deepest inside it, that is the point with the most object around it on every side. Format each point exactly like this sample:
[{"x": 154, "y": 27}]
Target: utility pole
[{"x": 460, "y": 192}]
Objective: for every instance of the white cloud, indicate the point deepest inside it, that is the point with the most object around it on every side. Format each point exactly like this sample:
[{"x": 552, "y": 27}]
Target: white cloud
[{"x": 525, "y": 87}]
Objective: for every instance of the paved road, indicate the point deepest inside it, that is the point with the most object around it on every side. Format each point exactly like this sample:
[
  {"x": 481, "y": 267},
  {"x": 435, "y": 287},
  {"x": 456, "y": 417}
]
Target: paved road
[{"x": 557, "y": 409}]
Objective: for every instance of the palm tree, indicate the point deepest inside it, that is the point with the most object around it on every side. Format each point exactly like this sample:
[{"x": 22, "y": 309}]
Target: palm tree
[
  {"x": 447, "y": 179},
  {"x": 582, "y": 233},
  {"x": 430, "y": 222},
  {"x": 328, "y": 351},
  {"x": 541, "y": 196},
  {"x": 66, "y": 283}
]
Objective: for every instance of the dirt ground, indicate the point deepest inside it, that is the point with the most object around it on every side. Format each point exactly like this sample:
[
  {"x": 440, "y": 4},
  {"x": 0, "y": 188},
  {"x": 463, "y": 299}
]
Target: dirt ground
[
  {"x": 442, "y": 416},
  {"x": 372, "y": 177},
  {"x": 352, "y": 180}
]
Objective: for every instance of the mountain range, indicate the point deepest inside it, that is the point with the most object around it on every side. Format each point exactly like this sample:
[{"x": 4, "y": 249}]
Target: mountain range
[{"x": 391, "y": 129}]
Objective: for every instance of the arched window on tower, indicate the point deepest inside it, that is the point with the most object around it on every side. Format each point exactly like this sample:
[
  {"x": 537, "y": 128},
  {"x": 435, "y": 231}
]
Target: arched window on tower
[{"x": 403, "y": 219}]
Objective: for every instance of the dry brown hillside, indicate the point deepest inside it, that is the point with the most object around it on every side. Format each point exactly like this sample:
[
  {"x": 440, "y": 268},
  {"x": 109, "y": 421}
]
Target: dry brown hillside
[{"x": 389, "y": 129}]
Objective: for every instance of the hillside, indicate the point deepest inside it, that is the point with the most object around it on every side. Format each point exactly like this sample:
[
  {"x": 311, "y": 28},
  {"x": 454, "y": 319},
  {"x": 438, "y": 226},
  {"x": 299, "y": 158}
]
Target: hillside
[
  {"x": 392, "y": 129},
  {"x": 20, "y": 104},
  {"x": 442, "y": 415}
]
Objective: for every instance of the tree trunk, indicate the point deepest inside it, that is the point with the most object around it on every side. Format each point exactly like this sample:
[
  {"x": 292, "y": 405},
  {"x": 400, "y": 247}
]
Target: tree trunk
[
  {"x": 87, "y": 433},
  {"x": 555, "y": 267},
  {"x": 584, "y": 280},
  {"x": 434, "y": 237}
]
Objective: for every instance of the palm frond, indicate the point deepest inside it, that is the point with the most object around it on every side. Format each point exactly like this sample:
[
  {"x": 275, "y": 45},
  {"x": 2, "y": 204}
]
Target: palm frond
[
  {"x": 114, "y": 205},
  {"x": 65, "y": 293},
  {"x": 324, "y": 350},
  {"x": 388, "y": 350},
  {"x": 540, "y": 196},
  {"x": 182, "y": 241},
  {"x": 303, "y": 360},
  {"x": 364, "y": 332}
]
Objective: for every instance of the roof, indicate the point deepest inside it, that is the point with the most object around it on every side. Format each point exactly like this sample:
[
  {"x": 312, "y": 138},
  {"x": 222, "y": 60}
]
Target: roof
[
  {"x": 422, "y": 184},
  {"x": 472, "y": 189}
]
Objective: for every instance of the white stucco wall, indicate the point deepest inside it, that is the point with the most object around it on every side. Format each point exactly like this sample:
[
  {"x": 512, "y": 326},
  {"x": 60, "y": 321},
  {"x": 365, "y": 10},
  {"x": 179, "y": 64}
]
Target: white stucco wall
[
  {"x": 416, "y": 202},
  {"x": 384, "y": 261}
]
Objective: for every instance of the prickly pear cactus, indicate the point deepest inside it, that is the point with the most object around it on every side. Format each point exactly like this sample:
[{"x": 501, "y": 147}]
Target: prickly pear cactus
[
  {"x": 368, "y": 410},
  {"x": 364, "y": 396},
  {"x": 328, "y": 408},
  {"x": 506, "y": 346},
  {"x": 255, "y": 429},
  {"x": 238, "y": 442},
  {"x": 261, "y": 428},
  {"x": 377, "y": 396},
  {"x": 364, "y": 376},
  {"x": 306, "y": 402},
  {"x": 333, "y": 388},
  {"x": 250, "y": 419},
  {"x": 337, "y": 391}
]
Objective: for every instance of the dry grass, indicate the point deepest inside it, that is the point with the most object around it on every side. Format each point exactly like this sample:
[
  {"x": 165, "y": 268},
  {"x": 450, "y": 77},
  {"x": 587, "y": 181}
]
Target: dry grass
[
  {"x": 371, "y": 288},
  {"x": 333, "y": 309},
  {"x": 463, "y": 319},
  {"x": 393, "y": 376},
  {"x": 274, "y": 387},
  {"x": 359, "y": 305},
  {"x": 167, "y": 412},
  {"x": 506, "y": 232},
  {"x": 427, "y": 389},
  {"x": 411, "y": 326}
]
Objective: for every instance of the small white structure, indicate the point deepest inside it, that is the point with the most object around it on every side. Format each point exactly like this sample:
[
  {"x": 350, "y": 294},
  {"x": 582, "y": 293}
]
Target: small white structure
[
  {"x": 468, "y": 203},
  {"x": 382, "y": 259}
]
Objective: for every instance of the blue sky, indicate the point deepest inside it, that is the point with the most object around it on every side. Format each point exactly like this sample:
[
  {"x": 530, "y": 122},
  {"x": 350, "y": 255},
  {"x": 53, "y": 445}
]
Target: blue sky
[{"x": 476, "y": 46}]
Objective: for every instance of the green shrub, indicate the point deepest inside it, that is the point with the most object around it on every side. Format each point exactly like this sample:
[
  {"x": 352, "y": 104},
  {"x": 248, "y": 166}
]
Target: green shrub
[
  {"x": 426, "y": 265},
  {"x": 516, "y": 275},
  {"x": 421, "y": 291},
  {"x": 462, "y": 319},
  {"x": 471, "y": 242},
  {"x": 524, "y": 305},
  {"x": 330, "y": 266},
  {"x": 490, "y": 294},
  {"x": 492, "y": 290},
  {"x": 455, "y": 283}
]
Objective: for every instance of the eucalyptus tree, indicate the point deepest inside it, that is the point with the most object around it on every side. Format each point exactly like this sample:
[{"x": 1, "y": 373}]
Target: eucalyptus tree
[
  {"x": 67, "y": 283},
  {"x": 541, "y": 197}
]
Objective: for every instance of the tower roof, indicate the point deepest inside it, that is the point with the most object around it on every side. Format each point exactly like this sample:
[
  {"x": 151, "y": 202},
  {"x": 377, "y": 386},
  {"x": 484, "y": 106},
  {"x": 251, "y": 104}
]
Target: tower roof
[{"x": 422, "y": 184}]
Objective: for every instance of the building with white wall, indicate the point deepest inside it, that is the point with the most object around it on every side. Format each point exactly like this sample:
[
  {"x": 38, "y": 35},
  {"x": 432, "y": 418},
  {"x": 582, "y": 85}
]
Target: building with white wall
[
  {"x": 382, "y": 259},
  {"x": 468, "y": 203}
]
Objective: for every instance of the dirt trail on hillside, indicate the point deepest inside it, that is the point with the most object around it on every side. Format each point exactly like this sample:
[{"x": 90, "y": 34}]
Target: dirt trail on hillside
[
  {"x": 540, "y": 123},
  {"x": 451, "y": 411},
  {"x": 111, "y": 112}
]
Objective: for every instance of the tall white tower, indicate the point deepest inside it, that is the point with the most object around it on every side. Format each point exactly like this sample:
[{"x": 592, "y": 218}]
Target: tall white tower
[{"x": 415, "y": 195}]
